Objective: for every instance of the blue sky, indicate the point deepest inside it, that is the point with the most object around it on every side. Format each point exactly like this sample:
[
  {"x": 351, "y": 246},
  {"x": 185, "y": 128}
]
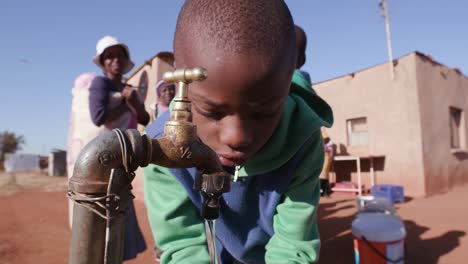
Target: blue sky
[{"x": 45, "y": 45}]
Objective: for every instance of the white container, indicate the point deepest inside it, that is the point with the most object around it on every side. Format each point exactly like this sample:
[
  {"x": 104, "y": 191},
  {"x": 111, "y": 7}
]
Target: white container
[
  {"x": 378, "y": 238},
  {"x": 371, "y": 203}
]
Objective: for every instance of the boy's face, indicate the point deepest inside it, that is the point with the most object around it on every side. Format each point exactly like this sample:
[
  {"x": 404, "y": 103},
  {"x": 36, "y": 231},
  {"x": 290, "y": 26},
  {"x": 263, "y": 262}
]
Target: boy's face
[{"x": 237, "y": 108}]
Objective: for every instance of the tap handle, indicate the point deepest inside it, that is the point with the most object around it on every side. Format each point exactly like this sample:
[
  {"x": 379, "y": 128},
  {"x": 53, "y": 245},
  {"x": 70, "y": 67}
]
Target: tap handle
[{"x": 186, "y": 75}]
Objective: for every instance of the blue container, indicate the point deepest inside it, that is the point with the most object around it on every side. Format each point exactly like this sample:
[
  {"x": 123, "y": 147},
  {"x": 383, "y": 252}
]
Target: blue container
[{"x": 393, "y": 193}]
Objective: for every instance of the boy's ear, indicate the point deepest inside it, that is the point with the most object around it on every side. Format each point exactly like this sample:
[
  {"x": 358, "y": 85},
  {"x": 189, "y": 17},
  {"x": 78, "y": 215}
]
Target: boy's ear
[{"x": 300, "y": 60}]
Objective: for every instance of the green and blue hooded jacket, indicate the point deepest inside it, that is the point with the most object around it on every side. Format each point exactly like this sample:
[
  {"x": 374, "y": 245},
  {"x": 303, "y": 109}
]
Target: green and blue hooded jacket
[{"x": 269, "y": 216}]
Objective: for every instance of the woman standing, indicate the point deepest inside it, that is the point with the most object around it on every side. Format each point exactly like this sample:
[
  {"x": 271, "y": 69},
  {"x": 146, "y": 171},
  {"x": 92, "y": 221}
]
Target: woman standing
[
  {"x": 114, "y": 104},
  {"x": 325, "y": 188},
  {"x": 165, "y": 93}
]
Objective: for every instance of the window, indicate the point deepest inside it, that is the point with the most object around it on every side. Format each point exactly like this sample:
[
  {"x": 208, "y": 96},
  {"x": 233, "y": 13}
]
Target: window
[
  {"x": 143, "y": 85},
  {"x": 457, "y": 131},
  {"x": 358, "y": 134}
]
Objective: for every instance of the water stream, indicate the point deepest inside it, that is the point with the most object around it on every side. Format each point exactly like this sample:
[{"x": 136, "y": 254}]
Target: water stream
[{"x": 211, "y": 240}]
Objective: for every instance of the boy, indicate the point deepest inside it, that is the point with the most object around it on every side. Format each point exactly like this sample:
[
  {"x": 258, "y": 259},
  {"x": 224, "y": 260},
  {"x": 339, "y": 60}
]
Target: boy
[{"x": 251, "y": 115}]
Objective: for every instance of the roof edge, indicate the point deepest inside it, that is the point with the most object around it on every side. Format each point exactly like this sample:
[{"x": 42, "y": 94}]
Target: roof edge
[
  {"x": 164, "y": 55},
  {"x": 425, "y": 57}
]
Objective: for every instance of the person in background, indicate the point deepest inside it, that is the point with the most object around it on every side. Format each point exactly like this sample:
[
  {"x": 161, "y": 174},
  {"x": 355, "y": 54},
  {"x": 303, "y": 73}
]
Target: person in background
[
  {"x": 264, "y": 128},
  {"x": 114, "y": 104},
  {"x": 325, "y": 188},
  {"x": 166, "y": 93},
  {"x": 81, "y": 129}
]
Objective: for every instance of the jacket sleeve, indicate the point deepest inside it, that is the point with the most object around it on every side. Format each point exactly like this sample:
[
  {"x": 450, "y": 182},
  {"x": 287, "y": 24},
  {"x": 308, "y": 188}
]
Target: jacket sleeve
[
  {"x": 296, "y": 238},
  {"x": 175, "y": 222},
  {"x": 98, "y": 100}
]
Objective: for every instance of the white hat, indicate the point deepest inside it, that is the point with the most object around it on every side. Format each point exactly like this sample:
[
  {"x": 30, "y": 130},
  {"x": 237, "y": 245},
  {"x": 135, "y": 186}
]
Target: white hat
[{"x": 109, "y": 41}]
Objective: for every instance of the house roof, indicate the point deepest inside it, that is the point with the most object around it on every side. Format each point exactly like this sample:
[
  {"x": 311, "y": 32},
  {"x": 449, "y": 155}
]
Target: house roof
[
  {"x": 163, "y": 55},
  {"x": 421, "y": 55}
]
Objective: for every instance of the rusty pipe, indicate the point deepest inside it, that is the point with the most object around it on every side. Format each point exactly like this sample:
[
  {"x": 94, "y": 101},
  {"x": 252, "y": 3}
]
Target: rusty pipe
[
  {"x": 96, "y": 160},
  {"x": 90, "y": 179},
  {"x": 180, "y": 147}
]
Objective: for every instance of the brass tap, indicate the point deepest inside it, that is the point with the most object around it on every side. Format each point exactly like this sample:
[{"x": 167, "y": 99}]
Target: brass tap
[{"x": 180, "y": 147}]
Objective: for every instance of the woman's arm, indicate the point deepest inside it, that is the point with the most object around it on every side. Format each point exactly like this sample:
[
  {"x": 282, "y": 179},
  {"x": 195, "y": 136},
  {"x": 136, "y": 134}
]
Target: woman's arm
[
  {"x": 98, "y": 101},
  {"x": 135, "y": 105}
]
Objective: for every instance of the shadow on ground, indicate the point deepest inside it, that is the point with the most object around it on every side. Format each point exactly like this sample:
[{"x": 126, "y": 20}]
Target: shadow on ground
[
  {"x": 335, "y": 218},
  {"x": 419, "y": 250}
]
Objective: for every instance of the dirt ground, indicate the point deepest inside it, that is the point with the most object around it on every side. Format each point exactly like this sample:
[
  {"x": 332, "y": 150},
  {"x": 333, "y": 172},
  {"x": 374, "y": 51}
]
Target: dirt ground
[{"x": 34, "y": 227}]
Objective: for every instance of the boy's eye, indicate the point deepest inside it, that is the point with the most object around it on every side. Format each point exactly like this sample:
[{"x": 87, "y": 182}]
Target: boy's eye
[
  {"x": 214, "y": 116},
  {"x": 210, "y": 114}
]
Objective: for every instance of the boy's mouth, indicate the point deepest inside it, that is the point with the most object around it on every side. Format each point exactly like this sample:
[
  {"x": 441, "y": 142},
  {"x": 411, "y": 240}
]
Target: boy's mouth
[{"x": 230, "y": 161}]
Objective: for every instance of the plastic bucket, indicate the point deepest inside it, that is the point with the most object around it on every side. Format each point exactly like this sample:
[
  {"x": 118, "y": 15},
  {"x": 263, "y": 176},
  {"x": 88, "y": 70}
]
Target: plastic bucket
[{"x": 378, "y": 239}]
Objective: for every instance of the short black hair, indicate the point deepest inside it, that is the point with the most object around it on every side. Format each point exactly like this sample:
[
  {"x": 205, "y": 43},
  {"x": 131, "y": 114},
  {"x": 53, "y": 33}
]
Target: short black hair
[{"x": 265, "y": 27}]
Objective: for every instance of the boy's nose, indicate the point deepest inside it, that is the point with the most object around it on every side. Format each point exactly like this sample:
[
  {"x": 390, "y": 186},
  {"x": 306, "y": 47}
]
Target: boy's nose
[{"x": 236, "y": 133}]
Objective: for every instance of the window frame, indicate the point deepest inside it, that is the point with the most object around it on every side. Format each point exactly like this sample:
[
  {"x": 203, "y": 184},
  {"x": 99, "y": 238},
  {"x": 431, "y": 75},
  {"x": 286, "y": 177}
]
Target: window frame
[
  {"x": 457, "y": 128},
  {"x": 350, "y": 132}
]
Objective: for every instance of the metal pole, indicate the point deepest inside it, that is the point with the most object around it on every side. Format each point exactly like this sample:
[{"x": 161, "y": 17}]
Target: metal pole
[
  {"x": 383, "y": 5},
  {"x": 88, "y": 236}
]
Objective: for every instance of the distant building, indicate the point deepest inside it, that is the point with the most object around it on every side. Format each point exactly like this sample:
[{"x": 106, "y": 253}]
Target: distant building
[
  {"x": 57, "y": 162},
  {"x": 15, "y": 162},
  {"x": 414, "y": 125}
]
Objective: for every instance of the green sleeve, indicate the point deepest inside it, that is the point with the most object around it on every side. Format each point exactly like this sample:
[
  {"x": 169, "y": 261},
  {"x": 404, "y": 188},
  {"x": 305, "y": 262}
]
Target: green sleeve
[
  {"x": 175, "y": 222},
  {"x": 296, "y": 238}
]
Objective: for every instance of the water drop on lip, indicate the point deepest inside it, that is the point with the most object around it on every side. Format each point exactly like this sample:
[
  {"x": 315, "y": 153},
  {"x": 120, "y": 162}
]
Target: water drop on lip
[{"x": 236, "y": 173}]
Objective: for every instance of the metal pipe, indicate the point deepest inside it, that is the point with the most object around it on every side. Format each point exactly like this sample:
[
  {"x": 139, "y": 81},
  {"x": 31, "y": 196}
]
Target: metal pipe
[
  {"x": 114, "y": 153},
  {"x": 90, "y": 183}
]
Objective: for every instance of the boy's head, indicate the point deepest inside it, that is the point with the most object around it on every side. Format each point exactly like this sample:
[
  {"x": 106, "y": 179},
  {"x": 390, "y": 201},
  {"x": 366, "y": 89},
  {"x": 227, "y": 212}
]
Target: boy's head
[
  {"x": 248, "y": 48},
  {"x": 301, "y": 44}
]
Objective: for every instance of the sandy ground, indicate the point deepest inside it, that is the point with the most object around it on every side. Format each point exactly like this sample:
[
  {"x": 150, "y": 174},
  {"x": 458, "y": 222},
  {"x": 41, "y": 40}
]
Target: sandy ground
[{"x": 34, "y": 228}]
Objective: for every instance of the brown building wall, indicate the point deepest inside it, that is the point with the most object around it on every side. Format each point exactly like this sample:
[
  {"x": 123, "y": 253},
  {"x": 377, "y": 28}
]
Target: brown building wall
[
  {"x": 392, "y": 111},
  {"x": 439, "y": 88}
]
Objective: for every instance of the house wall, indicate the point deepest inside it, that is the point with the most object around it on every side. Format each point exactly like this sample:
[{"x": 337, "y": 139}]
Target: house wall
[
  {"x": 392, "y": 111},
  {"x": 439, "y": 88}
]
